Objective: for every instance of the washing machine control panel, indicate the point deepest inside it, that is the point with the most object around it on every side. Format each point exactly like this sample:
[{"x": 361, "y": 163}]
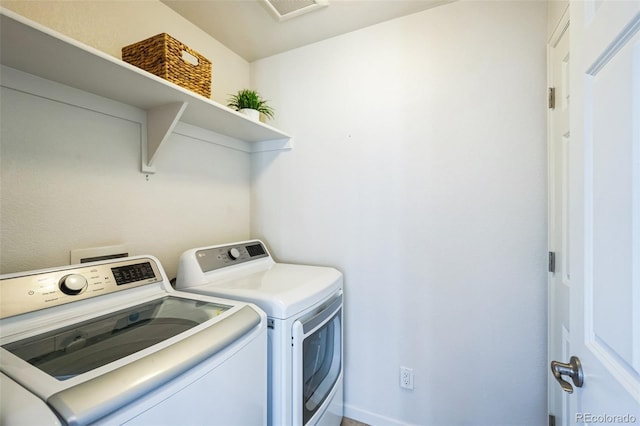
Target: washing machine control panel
[
  {"x": 214, "y": 258},
  {"x": 73, "y": 284},
  {"x": 43, "y": 289}
]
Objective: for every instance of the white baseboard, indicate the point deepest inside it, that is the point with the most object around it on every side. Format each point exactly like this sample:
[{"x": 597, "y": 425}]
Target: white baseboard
[{"x": 370, "y": 418}]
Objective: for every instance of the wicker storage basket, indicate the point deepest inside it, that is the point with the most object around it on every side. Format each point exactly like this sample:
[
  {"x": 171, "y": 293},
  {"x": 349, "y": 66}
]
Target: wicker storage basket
[{"x": 164, "y": 56}]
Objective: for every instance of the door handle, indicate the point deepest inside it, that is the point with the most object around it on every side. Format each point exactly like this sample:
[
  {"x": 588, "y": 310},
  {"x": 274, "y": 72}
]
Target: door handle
[{"x": 573, "y": 369}]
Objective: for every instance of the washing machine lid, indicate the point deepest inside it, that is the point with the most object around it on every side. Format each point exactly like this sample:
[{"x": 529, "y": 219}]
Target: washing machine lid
[
  {"x": 86, "y": 384},
  {"x": 125, "y": 334},
  {"x": 19, "y": 406},
  {"x": 282, "y": 290},
  {"x": 69, "y": 351}
]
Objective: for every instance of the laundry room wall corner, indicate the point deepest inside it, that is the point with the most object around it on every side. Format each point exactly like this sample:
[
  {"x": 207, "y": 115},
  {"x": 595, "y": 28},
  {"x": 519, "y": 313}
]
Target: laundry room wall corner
[
  {"x": 419, "y": 171},
  {"x": 70, "y": 171}
]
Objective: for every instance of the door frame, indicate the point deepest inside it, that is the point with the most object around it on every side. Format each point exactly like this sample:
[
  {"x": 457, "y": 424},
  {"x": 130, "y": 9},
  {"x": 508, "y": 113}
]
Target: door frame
[{"x": 561, "y": 28}]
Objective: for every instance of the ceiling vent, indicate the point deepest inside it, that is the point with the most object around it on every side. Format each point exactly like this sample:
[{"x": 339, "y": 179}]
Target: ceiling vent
[{"x": 287, "y": 9}]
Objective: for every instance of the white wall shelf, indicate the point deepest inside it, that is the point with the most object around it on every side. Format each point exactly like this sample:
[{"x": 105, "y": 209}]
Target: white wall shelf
[{"x": 38, "y": 50}]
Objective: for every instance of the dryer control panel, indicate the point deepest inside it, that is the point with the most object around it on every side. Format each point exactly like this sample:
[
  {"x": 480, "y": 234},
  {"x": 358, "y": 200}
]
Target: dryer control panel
[
  {"x": 36, "y": 290},
  {"x": 214, "y": 258}
]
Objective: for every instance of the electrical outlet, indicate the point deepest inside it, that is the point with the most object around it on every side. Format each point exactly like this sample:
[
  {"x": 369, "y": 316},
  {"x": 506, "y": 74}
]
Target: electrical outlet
[{"x": 406, "y": 378}]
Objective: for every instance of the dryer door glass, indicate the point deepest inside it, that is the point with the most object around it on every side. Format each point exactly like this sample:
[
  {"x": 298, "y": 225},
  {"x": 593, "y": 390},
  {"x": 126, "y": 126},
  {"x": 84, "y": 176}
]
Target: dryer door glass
[
  {"x": 73, "y": 350},
  {"x": 321, "y": 364}
]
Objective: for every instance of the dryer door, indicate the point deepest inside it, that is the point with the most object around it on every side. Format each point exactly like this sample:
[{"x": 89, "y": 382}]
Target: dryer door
[{"x": 317, "y": 359}]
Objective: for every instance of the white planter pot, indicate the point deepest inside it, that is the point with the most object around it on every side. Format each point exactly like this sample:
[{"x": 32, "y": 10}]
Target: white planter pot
[{"x": 251, "y": 113}]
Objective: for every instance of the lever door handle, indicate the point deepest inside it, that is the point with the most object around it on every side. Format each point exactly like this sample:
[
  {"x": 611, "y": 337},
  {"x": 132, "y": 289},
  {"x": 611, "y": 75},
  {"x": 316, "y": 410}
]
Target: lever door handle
[{"x": 573, "y": 369}]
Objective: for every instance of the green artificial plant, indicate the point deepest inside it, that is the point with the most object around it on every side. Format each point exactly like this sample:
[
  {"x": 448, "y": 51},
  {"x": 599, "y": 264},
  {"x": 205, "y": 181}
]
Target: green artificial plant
[{"x": 250, "y": 99}]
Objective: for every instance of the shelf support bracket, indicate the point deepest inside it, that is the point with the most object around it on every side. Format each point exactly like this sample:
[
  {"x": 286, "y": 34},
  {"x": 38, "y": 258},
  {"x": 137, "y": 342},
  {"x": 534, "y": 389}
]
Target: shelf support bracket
[
  {"x": 284, "y": 144},
  {"x": 161, "y": 121}
]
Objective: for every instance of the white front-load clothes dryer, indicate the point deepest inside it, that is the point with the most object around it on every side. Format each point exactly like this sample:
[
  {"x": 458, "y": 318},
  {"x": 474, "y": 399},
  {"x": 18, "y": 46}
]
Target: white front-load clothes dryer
[
  {"x": 111, "y": 343},
  {"x": 304, "y": 310}
]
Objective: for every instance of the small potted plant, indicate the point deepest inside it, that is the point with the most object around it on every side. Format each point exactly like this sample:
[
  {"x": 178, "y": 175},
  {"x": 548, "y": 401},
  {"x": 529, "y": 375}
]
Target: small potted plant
[{"x": 250, "y": 102}]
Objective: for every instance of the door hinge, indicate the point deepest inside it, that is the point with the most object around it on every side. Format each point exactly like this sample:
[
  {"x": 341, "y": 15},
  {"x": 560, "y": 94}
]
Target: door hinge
[
  {"x": 552, "y": 261},
  {"x": 552, "y": 97}
]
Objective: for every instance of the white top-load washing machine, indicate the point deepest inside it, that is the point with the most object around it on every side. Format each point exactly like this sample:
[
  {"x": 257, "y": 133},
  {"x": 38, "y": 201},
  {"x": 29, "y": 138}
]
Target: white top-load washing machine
[
  {"x": 112, "y": 342},
  {"x": 304, "y": 309}
]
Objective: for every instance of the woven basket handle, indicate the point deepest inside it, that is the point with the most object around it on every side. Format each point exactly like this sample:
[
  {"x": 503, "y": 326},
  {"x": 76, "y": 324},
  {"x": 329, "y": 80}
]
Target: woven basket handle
[{"x": 190, "y": 58}]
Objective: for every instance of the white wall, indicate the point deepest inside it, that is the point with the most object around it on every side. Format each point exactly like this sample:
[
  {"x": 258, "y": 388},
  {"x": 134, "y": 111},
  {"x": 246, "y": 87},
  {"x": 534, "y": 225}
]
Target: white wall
[
  {"x": 70, "y": 174},
  {"x": 419, "y": 171}
]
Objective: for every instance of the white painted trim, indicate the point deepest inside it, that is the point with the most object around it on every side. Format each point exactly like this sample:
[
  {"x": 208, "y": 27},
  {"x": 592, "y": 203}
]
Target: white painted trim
[
  {"x": 556, "y": 36},
  {"x": 566, "y": 354},
  {"x": 28, "y": 83},
  {"x": 625, "y": 377},
  {"x": 273, "y": 145},
  {"x": 161, "y": 121},
  {"x": 566, "y": 264},
  {"x": 195, "y": 132},
  {"x": 370, "y": 418},
  {"x": 204, "y": 135},
  {"x": 552, "y": 227},
  {"x": 635, "y": 238},
  {"x": 616, "y": 45},
  {"x": 561, "y": 27}
]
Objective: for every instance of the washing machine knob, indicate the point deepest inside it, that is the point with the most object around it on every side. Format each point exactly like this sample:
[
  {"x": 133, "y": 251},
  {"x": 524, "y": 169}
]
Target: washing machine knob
[
  {"x": 234, "y": 253},
  {"x": 72, "y": 284}
]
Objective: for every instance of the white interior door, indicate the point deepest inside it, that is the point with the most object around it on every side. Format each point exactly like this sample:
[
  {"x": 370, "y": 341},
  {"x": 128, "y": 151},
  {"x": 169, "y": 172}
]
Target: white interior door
[
  {"x": 604, "y": 209},
  {"x": 559, "y": 274}
]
